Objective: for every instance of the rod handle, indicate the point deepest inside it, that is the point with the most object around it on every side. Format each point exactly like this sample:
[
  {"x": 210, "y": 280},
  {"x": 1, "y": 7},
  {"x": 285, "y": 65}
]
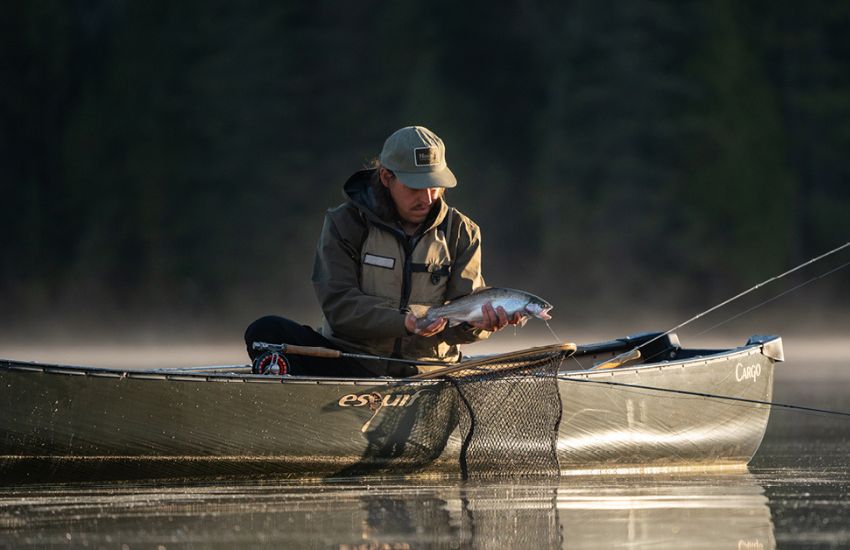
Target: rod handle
[{"x": 312, "y": 351}]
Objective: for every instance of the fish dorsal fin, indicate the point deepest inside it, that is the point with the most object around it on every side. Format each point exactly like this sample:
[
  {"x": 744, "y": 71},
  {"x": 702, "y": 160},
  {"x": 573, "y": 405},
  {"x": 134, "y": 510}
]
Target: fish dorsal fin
[{"x": 481, "y": 289}]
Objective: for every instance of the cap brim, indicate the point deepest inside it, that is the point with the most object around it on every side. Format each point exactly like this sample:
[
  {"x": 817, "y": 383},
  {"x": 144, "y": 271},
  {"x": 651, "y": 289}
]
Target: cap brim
[{"x": 424, "y": 180}]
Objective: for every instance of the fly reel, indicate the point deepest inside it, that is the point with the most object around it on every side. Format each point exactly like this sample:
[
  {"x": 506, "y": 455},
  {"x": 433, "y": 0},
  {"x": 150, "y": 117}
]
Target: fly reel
[{"x": 272, "y": 363}]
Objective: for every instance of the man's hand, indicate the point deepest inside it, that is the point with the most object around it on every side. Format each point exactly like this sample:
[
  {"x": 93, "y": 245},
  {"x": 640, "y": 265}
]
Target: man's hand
[
  {"x": 497, "y": 319},
  {"x": 430, "y": 330}
]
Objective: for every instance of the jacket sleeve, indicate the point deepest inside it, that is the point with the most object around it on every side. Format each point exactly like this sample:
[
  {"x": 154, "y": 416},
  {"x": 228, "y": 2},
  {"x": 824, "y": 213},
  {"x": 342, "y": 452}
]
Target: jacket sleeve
[
  {"x": 465, "y": 277},
  {"x": 351, "y": 314}
]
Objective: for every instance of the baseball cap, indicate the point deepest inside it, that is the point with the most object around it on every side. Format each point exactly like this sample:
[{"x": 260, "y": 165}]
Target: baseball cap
[{"x": 418, "y": 158}]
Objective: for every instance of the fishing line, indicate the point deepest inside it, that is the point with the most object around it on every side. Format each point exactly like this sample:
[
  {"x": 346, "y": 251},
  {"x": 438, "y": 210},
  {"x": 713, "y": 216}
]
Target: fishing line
[
  {"x": 730, "y": 319},
  {"x": 813, "y": 279},
  {"x": 710, "y": 395},
  {"x": 557, "y": 338},
  {"x": 726, "y": 397},
  {"x": 744, "y": 293}
]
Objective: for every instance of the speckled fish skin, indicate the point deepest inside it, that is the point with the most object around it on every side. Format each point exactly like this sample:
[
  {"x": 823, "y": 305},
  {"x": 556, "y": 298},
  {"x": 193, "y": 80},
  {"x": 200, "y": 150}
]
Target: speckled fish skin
[{"x": 468, "y": 308}]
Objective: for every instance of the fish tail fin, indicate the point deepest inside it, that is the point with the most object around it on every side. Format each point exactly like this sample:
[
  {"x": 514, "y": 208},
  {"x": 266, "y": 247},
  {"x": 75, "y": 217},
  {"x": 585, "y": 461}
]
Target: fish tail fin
[
  {"x": 419, "y": 310},
  {"x": 421, "y": 313}
]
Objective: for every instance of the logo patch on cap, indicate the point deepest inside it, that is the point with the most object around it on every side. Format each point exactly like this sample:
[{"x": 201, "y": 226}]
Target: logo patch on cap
[{"x": 426, "y": 156}]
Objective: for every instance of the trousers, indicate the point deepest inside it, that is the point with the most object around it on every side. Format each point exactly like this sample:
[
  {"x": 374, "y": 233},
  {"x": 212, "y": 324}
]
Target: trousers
[{"x": 273, "y": 329}]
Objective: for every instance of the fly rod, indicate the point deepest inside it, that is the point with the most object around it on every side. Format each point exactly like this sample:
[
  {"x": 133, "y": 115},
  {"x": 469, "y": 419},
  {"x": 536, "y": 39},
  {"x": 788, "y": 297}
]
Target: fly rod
[
  {"x": 309, "y": 351},
  {"x": 316, "y": 351},
  {"x": 739, "y": 295},
  {"x": 449, "y": 368}
]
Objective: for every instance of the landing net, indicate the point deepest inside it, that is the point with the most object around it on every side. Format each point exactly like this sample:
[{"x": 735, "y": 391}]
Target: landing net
[
  {"x": 509, "y": 411},
  {"x": 406, "y": 440}
]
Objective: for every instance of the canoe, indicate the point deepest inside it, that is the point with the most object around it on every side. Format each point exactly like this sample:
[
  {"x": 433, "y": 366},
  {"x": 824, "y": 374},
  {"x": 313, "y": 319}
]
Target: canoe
[{"x": 674, "y": 409}]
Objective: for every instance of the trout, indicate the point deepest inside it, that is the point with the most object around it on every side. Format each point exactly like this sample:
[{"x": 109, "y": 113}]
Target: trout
[{"x": 468, "y": 308}]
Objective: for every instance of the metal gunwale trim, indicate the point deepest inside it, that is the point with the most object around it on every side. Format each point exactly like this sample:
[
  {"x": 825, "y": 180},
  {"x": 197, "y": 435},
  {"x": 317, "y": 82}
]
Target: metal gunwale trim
[
  {"x": 25, "y": 368},
  {"x": 104, "y": 374},
  {"x": 180, "y": 378},
  {"x": 264, "y": 380},
  {"x": 98, "y": 372},
  {"x": 148, "y": 376},
  {"x": 69, "y": 371},
  {"x": 743, "y": 351}
]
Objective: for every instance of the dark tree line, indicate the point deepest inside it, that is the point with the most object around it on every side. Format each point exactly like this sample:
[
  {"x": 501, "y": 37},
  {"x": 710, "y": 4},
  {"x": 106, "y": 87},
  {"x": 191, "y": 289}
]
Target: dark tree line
[{"x": 178, "y": 156}]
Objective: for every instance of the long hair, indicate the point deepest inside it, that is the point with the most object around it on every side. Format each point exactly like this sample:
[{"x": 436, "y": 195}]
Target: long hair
[{"x": 384, "y": 204}]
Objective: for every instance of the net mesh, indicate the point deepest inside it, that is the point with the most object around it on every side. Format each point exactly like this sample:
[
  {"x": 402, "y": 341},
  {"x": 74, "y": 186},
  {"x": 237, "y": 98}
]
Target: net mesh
[
  {"x": 506, "y": 408},
  {"x": 509, "y": 411},
  {"x": 404, "y": 440}
]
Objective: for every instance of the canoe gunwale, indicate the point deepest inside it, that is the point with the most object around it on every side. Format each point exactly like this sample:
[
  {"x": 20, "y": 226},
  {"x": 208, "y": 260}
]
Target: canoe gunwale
[
  {"x": 679, "y": 363},
  {"x": 756, "y": 345},
  {"x": 100, "y": 372}
]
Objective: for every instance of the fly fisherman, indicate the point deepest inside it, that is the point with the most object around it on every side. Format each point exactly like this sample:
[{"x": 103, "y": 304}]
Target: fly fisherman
[{"x": 395, "y": 242}]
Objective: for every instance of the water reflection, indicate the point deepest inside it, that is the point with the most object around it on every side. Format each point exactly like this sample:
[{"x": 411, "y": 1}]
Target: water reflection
[
  {"x": 710, "y": 511},
  {"x": 686, "y": 512}
]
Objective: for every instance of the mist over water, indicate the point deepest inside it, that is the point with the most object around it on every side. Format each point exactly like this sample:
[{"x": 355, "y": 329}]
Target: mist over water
[{"x": 807, "y": 335}]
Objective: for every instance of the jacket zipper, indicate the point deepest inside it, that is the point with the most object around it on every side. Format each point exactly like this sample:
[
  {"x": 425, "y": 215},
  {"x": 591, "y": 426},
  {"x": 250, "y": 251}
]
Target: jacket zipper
[
  {"x": 407, "y": 273},
  {"x": 406, "y": 282}
]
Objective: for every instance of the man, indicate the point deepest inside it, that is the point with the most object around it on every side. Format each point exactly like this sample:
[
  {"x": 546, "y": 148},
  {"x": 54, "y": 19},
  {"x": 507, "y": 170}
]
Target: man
[{"x": 395, "y": 242}]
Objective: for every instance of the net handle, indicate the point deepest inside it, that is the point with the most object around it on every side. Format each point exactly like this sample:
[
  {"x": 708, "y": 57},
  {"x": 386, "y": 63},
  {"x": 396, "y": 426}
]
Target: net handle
[
  {"x": 620, "y": 360},
  {"x": 567, "y": 348}
]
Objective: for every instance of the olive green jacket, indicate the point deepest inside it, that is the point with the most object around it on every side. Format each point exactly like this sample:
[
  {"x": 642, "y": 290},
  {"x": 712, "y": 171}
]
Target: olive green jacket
[{"x": 367, "y": 272}]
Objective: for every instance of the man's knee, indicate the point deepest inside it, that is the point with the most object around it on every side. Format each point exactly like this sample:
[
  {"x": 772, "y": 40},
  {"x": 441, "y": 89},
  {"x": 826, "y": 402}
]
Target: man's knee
[
  {"x": 271, "y": 329},
  {"x": 261, "y": 327},
  {"x": 274, "y": 329}
]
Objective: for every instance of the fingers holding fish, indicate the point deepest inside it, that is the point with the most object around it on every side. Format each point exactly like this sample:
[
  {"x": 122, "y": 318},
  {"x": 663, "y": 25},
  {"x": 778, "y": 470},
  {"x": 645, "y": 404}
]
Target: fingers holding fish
[
  {"x": 501, "y": 317},
  {"x": 417, "y": 326},
  {"x": 434, "y": 328},
  {"x": 493, "y": 319},
  {"x": 518, "y": 319},
  {"x": 488, "y": 318}
]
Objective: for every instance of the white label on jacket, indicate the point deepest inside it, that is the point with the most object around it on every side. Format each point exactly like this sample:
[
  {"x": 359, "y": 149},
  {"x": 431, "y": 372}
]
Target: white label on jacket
[{"x": 380, "y": 261}]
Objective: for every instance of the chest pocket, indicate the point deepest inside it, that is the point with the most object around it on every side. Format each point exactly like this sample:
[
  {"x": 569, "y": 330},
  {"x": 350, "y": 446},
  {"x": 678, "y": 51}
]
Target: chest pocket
[
  {"x": 430, "y": 269},
  {"x": 382, "y": 266}
]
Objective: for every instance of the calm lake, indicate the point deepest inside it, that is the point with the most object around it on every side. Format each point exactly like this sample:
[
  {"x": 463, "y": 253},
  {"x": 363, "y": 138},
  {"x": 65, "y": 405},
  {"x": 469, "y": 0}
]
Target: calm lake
[{"x": 795, "y": 494}]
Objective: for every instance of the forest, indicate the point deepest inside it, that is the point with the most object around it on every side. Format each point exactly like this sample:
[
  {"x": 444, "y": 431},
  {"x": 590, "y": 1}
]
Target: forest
[{"x": 175, "y": 159}]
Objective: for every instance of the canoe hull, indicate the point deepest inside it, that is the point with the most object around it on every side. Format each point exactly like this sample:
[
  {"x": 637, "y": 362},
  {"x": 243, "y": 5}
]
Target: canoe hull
[
  {"x": 84, "y": 422},
  {"x": 635, "y": 427}
]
